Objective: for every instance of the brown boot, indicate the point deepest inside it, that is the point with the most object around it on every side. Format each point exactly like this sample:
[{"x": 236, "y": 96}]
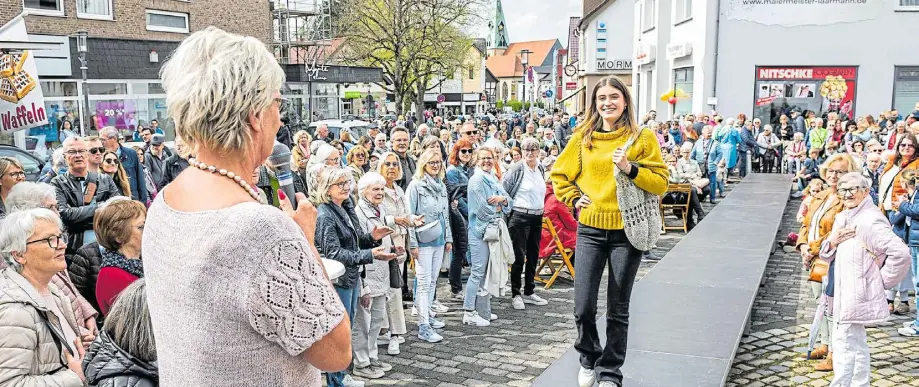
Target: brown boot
[
  {"x": 818, "y": 353},
  {"x": 826, "y": 365}
]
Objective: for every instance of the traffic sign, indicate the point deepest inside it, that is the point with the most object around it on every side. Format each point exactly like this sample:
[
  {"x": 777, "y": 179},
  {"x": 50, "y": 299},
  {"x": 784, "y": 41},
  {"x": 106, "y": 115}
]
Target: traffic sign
[
  {"x": 441, "y": 98},
  {"x": 548, "y": 93}
]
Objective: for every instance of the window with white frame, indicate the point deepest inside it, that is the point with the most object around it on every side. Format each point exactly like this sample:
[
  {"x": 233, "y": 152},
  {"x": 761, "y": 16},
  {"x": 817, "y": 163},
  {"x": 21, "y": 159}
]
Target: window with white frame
[
  {"x": 44, "y": 6},
  {"x": 908, "y": 5},
  {"x": 165, "y": 21},
  {"x": 648, "y": 20},
  {"x": 94, "y": 9},
  {"x": 682, "y": 10}
]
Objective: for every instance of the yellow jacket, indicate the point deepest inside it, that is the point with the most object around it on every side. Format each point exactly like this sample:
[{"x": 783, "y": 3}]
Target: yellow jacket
[{"x": 581, "y": 171}]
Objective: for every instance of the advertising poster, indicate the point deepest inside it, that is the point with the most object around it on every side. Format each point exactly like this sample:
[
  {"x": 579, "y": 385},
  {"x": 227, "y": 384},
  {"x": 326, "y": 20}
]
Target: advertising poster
[
  {"x": 22, "y": 105},
  {"x": 817, "y": 89},
  {"x": 805, "y": 12}
]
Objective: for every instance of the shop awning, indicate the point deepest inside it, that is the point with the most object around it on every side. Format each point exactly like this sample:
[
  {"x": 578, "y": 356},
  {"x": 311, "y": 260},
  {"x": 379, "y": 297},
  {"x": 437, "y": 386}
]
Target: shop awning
[{"x": 576, "y": 92}]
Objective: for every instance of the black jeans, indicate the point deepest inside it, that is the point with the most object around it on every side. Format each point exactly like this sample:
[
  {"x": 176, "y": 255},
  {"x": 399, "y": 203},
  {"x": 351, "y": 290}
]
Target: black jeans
[
  {"x": 596, "y": 247},
  {"x": 526, "y": 231},
  {"x": 456, "y": 267}
]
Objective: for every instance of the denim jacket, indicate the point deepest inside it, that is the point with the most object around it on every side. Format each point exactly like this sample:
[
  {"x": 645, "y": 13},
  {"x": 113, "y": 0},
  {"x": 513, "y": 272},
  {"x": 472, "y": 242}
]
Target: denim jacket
[
  {"x": 481, "y": 187},
  {"x": 715, "y": 154},
  {"x": 906, "y": 221},
  {"x": 430, "y": 201}
]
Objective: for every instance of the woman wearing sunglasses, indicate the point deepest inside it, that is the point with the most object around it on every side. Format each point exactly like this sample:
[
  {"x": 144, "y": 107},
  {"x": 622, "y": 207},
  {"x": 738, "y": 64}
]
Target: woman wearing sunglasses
[
  {"x": 457, "y": 179},
  {"x": 111, "y": 165},
  {"x": 10, "y": 174}
]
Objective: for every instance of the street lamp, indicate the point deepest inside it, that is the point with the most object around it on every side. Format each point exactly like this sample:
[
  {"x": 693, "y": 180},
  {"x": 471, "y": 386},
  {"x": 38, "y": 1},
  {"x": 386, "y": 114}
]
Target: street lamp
[
  {"x": 82, "y": 48},
  {"x": 525, "y": 59}
]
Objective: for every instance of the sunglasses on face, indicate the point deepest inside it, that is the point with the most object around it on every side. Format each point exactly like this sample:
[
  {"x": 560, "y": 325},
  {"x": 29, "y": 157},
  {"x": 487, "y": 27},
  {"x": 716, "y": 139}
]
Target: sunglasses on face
[
  {"x": 96, "y": 151},
  {"x": 111, "y": 161},
  {"x": 877, "y": 151},
  {"x": 465, "y": 151},
  {"x": 907, "y": 145}
]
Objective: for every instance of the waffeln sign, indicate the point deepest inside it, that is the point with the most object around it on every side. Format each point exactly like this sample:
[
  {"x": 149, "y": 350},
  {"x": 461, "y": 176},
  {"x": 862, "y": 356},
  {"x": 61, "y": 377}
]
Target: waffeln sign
[{"x": 22, "y": 105}]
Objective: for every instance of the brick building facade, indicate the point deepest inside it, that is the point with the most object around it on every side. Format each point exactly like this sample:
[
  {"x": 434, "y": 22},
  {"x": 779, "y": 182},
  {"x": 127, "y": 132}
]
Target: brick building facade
[{"x": 128, "y": 42}]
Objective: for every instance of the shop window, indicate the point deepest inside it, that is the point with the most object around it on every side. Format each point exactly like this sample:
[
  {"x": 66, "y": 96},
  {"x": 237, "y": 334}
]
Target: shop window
[
  {"x": 906, "y": 89},
  {"x": 682, "y": 10},
  {"x": 58, "y": 89},
  {"x": 817, "y": 89},
  {"x": 682, "y": 85},
  {"x": 167, "y": 21},
  {"x": 108, "y": 88},
  {"x": 94, "y": 9},
  {"x": 53, "y": 7},
  {"x": 58, "y": 112},
  {"x": 908, "y": 5}
]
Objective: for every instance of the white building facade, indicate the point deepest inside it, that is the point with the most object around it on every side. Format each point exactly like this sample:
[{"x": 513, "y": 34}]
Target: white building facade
[
  {"x": 606, "y": 45},
  {"x": 767, "y": 58}
]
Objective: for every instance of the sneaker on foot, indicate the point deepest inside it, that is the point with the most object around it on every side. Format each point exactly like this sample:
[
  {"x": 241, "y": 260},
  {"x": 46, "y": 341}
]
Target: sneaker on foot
[
  {"x": 493, "y": 317},
  {"x": 414, "y": 311},
  {"x": 400, "y": 339},
  {"x": 381, "y": 366},
  {"x": 586, "y": 377},
  {"x": 438, "y": 307},
  {"x": 911, "y": 331},
  {"x": 348, "y": 381},
  {"x": 517, "y": 301},
  {"x": 393, "y": 348},
  {"x": 535, "y": 300},
  {"x": 910, "y": 324},
  {"x": 459, "y": 296},
  {"x": 367, "y": 372},
  {"x": 426, "y": 333},
  {"x": 435, "y": 323},
  {"x": 608, "y": 383},
  {"x": 902, "y": 308},
  {"x": 383, "y": 339},
  {"x": 473, "y": 318}
]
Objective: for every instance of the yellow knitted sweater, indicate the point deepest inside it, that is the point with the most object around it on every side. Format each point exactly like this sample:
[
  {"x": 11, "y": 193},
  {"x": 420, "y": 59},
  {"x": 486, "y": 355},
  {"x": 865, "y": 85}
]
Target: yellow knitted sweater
[{"x": 581, "y": 171}]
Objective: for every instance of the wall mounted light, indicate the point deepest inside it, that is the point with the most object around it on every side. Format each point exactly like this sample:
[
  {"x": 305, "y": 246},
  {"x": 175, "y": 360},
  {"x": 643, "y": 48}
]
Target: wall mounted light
[{"x": 154, "y": 57}]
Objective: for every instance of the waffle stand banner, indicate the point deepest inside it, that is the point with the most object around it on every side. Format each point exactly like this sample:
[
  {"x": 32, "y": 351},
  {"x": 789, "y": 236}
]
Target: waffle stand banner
[{"x": 22, "y": 105}]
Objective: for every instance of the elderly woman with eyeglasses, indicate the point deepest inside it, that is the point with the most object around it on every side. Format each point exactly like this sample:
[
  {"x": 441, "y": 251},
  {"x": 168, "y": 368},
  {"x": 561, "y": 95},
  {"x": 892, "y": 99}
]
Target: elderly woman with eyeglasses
[
  {"x": 868, "y": 258},
  {"x": 41, "y": 343},
  {"x": 427, "y": 201},
  {"x": 214, "y": 255},
  {"x": 11, "y": 173},
  {"x": 339, "y": 237}
]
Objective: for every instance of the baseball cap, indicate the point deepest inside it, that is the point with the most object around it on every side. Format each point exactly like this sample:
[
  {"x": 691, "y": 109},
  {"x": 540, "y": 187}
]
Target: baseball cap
[
  {"x": 157, "y": 139},
  {"x": 915, "y": 115}
]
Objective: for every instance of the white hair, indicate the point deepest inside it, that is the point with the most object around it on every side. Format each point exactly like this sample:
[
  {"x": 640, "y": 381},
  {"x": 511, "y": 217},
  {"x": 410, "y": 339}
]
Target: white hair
[
  {"x": 730, "y": 121},
  {"x": 381, "y": 136},
  {"x": 57, "y": 159},
  {"x": 798, "y": 135},
  {"x": 856, "y": 179},
  {"x": 109, "y": 132},
  {"x": 368, "y": 180},
  {"x": 214, "y": 81},
  {"x": 16, "y": 229},
  {"x": 686, "y": 147},
  {"x": 326, "y": 179},
  {"x": 28, "y": 195},
  {"x": 69, "y": 142}
]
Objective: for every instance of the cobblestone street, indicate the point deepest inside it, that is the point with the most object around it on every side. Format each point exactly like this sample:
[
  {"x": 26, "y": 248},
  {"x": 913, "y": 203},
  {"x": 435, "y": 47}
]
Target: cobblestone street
[
  {"x": 513, "y": 351},
  {"x": 772, "y": 354}
]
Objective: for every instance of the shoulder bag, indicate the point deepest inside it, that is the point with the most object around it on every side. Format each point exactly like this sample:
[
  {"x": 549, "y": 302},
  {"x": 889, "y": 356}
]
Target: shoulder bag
[{"x": 640, "y": 209}]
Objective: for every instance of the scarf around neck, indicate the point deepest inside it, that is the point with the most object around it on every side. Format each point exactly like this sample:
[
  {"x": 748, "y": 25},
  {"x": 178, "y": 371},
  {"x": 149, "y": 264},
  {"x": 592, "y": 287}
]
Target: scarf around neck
[
  {"x": 434, "y": 184},
  {"x": 115, "y": 259}
]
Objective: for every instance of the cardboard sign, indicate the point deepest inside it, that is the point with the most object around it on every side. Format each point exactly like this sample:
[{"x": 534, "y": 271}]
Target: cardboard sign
[{"x": 22, "y": 104}]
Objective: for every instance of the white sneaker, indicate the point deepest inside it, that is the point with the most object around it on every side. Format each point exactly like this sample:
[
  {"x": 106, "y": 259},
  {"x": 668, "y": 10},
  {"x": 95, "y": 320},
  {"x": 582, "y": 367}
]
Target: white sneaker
[
  {"x": 909, "y": 324},
  {"x": 535, "y": 300},
  {"x": 393, "y": 348},
  {"x": 586, "y": 377},
  {"x": 908, "y": 332},
  {"x": 518, "y": 303},
  {"x": 493, "y": 317},
  {"x": 414, "y": 311},
  {"x": 607, "y": 383},
  {"x": 459, "y": 296},
  {"x": 383, "y": 339},
  {"x": 436, "y": 324},
  {"x": 400, "y": 339},
  {"x": 348, "y": 381},
  {"x": 438, "y": 307},
  {"x": 473, "y": 318}
]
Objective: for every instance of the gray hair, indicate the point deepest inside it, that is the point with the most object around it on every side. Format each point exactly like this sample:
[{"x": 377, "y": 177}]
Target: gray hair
[
  {"x": 128, "y": 322},
  {"x": 381, "y": 136},
  {"x": 214, "y": 81},
  {"x": 68, "y": 142},
  {"x": 798, "y": 135},
  {"x": 767, "y": 127},
  {"x": 368, "y": 180},
  {"x": 16, "y": 229},
  {"x": 854, "y": 178},
  {"x": 109, "y": 132},
  {"x": 326, "y": 179},
  {"x": 730, "y": 121},
  {"x": 28, "y": 195},
  {"x": 529, "y": 143},
  {"x": 57, "y": 159}
]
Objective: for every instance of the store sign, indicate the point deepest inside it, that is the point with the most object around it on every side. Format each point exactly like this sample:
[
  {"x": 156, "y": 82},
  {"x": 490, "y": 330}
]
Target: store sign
[
  {"x": 778, "y": 90},
  {"x": 315, "y": 71},
  {"x": 678, "y": 50},
  {"x": 352, "y": 94},
  {"x": 646, "y": 54},
  {"x": 804, "y": 12},
  {"x": 571, "y": 85},
  {"x": 22, "y": 104},
  {"x": 614, "y": 64}
]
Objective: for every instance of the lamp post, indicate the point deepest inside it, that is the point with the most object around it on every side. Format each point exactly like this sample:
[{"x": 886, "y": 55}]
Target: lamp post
[
  {"x": 525, "y": 60},
  {"x": 82, "y": 48}
]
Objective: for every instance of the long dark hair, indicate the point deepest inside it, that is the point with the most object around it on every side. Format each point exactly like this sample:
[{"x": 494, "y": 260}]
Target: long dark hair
[
  {"x": 595, "y": 122},
  {"x": 898, "y": 157}
]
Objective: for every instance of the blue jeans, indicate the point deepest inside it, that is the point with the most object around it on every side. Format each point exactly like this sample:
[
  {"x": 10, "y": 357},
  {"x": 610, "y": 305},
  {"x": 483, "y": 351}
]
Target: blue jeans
[
  {"x": 914, "y": 253},
  {"x": 742, "y": 163},
  {"x": 478, "y": 262},
  {"x": 349, "y": 298},
  {"x": 712, "y": 185}
]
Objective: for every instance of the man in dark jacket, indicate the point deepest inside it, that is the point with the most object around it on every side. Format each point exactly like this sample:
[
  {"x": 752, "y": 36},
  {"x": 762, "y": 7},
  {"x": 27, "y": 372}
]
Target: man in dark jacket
[
  {"x": 79, "y": 191},
  {"x": 155, "y": 158},
  {"x": 172, "y": 167},
  {"x": 130, "y": 162},
  {"x": 747, "y": 145},
  {"x": 400, "y": 146},
  {"x": 797, "y": 122}
]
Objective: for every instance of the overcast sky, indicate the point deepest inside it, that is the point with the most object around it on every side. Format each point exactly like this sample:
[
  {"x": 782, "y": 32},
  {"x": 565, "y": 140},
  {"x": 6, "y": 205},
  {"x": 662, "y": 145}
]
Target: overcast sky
[{"x": 539, "y": 19}]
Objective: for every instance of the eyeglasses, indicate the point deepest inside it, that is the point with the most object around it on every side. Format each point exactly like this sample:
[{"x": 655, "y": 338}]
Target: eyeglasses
[
  {"x": 343, "y": 185},
  {"x": 283, "y": 105},
  {"x": 53, "y": 241},
  {"x": 907, "y": 145},
  {"x": 96, "y": 151},
  {"x": 17, "y": 175},
  {"x": 74, "y": 152},
  {"x": 360, "y": 156},
  {"x": 111, "y": 161},
  {"x": 466, "y": 151},
  {"x": 530, "y": 150},
  {"x": 53, "y": 207},
  {"x": 487, "y": 158},
  {"x": 846, "y": 192},
  {"x": 390, "y": 164},
  {"x": 435, "y": 163},
  {"x": 836, "y": 172}
]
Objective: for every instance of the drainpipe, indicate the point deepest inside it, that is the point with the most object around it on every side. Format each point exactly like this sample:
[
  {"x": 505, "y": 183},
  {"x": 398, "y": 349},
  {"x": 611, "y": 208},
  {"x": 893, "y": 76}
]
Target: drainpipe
[{"x": 717, "y": 42}]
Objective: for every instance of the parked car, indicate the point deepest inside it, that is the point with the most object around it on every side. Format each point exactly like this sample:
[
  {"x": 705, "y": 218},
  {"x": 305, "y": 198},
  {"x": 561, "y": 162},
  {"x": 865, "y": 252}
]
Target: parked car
[
  {"x": 31, "y": 165},
  {"x": 357, "y": 128}
]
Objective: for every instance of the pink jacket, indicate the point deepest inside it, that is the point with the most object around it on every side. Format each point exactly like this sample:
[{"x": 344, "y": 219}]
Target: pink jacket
[{"x": 874, "y": 260}]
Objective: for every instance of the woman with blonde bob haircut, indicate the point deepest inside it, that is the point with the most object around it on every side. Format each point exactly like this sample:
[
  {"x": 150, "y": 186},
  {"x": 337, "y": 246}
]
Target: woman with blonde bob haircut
[{"x": 212, "y": 252}]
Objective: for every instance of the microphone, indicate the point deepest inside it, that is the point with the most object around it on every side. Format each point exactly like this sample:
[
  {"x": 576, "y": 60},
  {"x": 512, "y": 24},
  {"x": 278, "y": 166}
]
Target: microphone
[{"x": 280, "y": 161}]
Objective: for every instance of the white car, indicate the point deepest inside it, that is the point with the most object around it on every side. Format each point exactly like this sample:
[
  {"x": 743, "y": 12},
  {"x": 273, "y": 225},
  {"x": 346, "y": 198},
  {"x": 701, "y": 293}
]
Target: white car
[{"x": 357, "y": 128}]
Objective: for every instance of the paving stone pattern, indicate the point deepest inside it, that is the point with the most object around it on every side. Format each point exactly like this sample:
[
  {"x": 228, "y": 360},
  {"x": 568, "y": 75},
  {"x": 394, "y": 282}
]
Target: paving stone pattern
[
  {"x": 782, "y": 315},
  {"x": 513, "y": 351}
]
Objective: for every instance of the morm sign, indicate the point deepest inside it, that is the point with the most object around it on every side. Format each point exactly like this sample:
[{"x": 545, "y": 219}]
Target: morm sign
[{"x": 614, "y": 64}]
